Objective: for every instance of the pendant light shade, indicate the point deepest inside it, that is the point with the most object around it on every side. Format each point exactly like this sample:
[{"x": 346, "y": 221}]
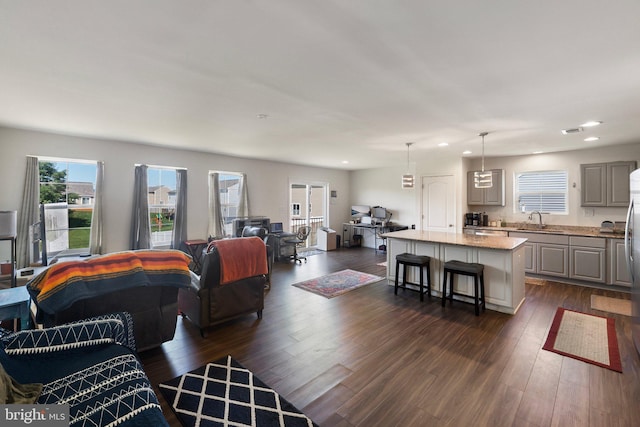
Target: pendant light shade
[
  {"x": 408, "y": 180},
  {"x": 483, "y": 179}
]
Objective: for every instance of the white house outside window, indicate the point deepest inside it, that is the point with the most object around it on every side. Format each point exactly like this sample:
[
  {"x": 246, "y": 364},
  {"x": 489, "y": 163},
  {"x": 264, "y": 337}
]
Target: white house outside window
[
  {"x": 162, "y": 204},
  {"x": 542, "y": 191},
  {"x": 229, "y": 184},
  {"x": 67, "y": 192}
]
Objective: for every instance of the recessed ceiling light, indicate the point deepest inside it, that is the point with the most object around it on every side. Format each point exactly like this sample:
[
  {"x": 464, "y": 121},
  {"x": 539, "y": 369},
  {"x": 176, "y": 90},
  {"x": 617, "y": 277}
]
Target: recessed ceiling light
[
  {"x": 466, "y": 152},
  {"x": 591, "y": 124},
  {"x": 345, "y": 162},
  {"x": 591, "y": 138},
  {"x": 538, "y": 152},
  {"x": 443, "y": 144}
]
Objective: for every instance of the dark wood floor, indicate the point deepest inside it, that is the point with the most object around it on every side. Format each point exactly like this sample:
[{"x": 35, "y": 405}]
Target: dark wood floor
[{"x": 370, "y": 358}]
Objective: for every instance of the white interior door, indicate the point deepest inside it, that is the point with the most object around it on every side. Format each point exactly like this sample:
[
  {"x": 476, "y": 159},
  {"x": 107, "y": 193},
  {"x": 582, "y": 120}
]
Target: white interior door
[{"x": 438, "y": 203}]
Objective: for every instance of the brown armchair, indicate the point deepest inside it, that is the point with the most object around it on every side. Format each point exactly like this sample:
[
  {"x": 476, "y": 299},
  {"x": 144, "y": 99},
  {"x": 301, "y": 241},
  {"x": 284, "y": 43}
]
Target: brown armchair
[{"x": 234, "y": 274}]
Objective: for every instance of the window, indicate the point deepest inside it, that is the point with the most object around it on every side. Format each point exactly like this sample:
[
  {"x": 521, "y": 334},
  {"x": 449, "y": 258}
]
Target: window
[
  {"x": 542, "y": 191},
  {"x": 67, "y": 193},
  {"x": 161, "y": 182},
  {"x": 295, "y": 209},
  {"x": 229, "y": 184}
]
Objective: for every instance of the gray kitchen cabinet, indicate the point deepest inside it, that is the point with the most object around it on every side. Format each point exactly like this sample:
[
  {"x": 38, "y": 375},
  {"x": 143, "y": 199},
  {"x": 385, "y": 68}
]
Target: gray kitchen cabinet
[
  {"x": 530, "y": 251},
  {"x": 553, "y": 260},
  {"x": 545, "y": 253},
  {"x": 530, "y": 258},
  {"x": 587, "y": 259},
  {"x": 617, "y": 263},
  {"x": 618, "y": 190},
  {"x": 606, "y": 184},
  {"x": 584, "y": 259},
  {"x": 493, "y": 196}
]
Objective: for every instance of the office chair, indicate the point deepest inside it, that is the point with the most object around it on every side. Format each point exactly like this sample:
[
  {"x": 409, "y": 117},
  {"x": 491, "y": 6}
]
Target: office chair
[{"x": 298, "y": 240}]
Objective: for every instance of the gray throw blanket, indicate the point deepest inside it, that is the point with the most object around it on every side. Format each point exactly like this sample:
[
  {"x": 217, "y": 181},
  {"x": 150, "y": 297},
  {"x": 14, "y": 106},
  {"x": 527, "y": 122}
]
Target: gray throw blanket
[{"x": 12, "y": 391}]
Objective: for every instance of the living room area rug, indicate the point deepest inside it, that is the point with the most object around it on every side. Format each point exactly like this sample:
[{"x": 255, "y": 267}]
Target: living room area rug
[
  {"x": 338, "y": 283},
  {"x": 585, "y": 337},
  {"x": 225, "y": 393}
]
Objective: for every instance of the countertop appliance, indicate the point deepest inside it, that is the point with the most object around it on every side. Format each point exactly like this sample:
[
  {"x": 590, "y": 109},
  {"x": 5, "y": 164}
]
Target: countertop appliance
[
  {"x": 632, "y": 252},
  {"x": 607, "y": 227},
  {"x": 476, "y": 219}
]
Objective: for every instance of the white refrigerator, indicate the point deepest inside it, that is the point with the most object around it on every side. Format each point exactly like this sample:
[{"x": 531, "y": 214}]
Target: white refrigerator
[{"x": 632, "y": 251}]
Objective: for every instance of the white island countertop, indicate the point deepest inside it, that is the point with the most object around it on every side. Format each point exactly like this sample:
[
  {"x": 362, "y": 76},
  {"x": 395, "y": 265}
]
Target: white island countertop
[{"x": 487, "y": 242}]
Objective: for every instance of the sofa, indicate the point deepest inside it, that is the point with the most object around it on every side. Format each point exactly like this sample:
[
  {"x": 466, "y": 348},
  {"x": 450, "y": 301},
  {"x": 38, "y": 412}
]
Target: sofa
[
  {"x": 232, "y": 283},
  {"x": 143, "y": 283},
  {"x": 91, "y": 365}
]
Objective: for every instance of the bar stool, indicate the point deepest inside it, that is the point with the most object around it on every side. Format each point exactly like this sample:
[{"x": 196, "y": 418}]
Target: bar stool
[
  {"x": 420, "y": 261},
  {"x": 466, "y": 269}
]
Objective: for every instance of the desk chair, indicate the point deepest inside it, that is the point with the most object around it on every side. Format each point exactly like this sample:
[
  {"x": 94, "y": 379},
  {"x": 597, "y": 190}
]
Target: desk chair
[{"x": 298, "y": 240}]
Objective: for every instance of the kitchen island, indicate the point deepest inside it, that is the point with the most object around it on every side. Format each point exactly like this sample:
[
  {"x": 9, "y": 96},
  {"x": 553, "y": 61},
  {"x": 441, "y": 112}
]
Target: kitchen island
[{"x": 503, "y": 258}]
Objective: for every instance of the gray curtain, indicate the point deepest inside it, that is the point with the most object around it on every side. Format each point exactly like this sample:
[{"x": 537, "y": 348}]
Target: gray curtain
[
  {"x": 140, "y": 226},
  {"x": 243, "y": 204},
  {"x": 29, "y": 211},
  {"x": 95, "y": 237},
  {"x": 216, "y": 224},
  {"x": 179, "y": 234}
]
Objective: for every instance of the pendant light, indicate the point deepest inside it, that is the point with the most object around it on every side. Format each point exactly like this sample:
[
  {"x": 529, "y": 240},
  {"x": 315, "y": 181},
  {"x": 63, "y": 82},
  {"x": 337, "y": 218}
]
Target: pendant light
[
  {"x": 483, "y": 179},
  {"x": 408, "y": 178}
]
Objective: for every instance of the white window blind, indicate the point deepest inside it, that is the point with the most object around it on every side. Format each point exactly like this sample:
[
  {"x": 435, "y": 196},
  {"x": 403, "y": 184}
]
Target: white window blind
[{"x": 542, "y": 191}]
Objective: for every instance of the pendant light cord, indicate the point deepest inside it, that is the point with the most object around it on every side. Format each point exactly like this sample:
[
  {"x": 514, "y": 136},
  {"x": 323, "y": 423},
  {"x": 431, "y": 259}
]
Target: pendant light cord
[
  {"x": 408, "y": 145},
  {"x": 483, "y": 134}
]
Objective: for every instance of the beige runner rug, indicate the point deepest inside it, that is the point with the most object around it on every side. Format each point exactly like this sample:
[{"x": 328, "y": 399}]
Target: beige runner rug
[
  {"x": 535, "y": 281},
  {"x": 585, "y": 337},
  {"x": 612, "y": 305}
]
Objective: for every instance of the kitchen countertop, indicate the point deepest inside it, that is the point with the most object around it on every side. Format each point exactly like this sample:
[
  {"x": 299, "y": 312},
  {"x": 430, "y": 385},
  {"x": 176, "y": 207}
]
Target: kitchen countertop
[
  {"x": 568, "y": 230},
  {"x": 488, "y": 242}
]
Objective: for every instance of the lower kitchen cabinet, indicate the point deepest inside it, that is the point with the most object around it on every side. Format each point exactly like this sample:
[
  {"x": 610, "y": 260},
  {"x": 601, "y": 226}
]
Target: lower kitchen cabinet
[
  {"x": 617, "y": 262},
  {"x": 588, "y": 258},
  {"x": 584, "y": 259},
  {"x": 530, "y": 258},
  {"x": 553, "y": 259}
]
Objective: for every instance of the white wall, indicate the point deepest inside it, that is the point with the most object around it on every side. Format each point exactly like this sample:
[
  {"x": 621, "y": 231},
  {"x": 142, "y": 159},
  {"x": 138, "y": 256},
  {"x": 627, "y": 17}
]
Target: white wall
[
  {"x": 268, "y": 182},
  {"x": 569, "y": 161}
]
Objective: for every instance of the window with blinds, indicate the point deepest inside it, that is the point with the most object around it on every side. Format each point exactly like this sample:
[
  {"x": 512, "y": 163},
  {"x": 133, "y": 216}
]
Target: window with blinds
[{"x": 542, "y": 191}]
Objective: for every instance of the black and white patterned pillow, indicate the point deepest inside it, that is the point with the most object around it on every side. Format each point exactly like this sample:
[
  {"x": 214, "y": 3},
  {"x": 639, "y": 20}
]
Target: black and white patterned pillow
[{"x": 111, "y": 328}]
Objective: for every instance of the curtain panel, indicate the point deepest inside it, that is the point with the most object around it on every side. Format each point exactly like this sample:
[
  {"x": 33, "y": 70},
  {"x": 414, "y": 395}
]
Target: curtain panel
[
  {"x": 29, "y": 212},
  {"x": 95, "y": 236},
  {"x": 179, "y": 234},
  {"x": 140, "y": 237}
]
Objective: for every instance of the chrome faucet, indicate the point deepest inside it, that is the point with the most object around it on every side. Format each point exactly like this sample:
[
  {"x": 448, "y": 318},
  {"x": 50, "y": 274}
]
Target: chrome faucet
[{"x": 540, "y": 225}]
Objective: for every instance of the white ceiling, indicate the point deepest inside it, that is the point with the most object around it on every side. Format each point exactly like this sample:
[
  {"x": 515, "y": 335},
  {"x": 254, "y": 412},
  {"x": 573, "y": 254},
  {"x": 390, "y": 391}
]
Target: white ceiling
[{"x": 339, "y": 80}]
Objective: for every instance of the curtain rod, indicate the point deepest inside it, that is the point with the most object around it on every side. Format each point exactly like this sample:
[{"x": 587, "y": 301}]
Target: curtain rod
[{"x": 161, "y": 167}]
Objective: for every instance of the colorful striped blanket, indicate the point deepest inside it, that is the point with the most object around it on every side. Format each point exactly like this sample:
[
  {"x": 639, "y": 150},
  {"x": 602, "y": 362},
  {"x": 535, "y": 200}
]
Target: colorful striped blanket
[{"x": 64, "y": 283}]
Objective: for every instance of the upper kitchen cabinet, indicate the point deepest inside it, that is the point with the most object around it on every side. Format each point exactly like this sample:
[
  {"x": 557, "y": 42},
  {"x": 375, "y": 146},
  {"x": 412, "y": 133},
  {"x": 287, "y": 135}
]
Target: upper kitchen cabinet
[
  {"x": 606, "y": 184},
  {"x": 493, "y": 196}
]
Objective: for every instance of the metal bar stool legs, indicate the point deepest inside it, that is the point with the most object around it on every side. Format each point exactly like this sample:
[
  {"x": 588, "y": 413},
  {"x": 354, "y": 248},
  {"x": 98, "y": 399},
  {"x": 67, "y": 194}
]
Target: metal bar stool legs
[
  {"x": 465, "y": 269},
  {"x": 420, "y": 261}
]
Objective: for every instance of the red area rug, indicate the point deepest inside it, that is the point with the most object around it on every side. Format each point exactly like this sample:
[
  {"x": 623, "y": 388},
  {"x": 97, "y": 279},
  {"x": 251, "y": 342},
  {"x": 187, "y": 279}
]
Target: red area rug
[
  {"x": 585, "y": 337},
  {"x": 337, "y": 283}
]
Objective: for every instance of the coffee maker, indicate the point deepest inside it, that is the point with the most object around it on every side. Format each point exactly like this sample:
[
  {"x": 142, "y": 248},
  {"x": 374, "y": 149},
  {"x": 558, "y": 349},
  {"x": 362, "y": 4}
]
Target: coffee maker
[
  {"x": 472, "y": 219},
  {"x": 475, "y": 219}
]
